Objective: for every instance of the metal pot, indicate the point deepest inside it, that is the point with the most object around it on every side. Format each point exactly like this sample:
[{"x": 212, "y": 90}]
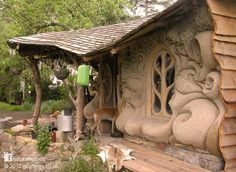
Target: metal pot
[
  {"x": 64, "y": 123},
  {"x": 67, "y": 112}
]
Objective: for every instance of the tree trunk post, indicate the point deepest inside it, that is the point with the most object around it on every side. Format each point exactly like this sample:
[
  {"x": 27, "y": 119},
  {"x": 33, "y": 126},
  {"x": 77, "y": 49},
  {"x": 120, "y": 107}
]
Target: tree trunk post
[
  {"x": 79, "y": 106},
  {"x": 79, "y": 111},
  {"x": 38, "y": 89}
]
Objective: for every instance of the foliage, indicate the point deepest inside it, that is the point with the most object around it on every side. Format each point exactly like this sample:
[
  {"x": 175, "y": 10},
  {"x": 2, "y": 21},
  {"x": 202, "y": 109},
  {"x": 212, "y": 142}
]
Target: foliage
[
  {"x": 149, "y": 6},
  {"x": 90, "y": 147},
  {"x": 43, "y": 139},
  {"x": 8, "y": 107},
  {"x": 26, "y": 106},
  {"x": 47, "y": 15},
  {"x": 51, "y": 106},
  {"x": 88, "y": 160},
  {"x": 8, "y": 77},
  {"x": 83, "y": 165},
  {"x": 26, "y": 17},
  {"x": 48, "y": 94},
  {"x": 36, "y": 128}
]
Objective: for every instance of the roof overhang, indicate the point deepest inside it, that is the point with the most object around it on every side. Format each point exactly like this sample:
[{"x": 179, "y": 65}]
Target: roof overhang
[{"x": 92, "y": 43}]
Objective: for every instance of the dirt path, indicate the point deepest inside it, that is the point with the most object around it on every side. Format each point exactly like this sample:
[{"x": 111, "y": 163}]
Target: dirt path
[{"x": 16, "y": 115}]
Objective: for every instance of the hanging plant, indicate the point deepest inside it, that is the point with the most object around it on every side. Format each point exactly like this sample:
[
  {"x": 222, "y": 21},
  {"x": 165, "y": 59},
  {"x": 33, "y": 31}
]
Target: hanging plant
[
  {"x": 15, "y": 71},
  {"x": 60, "y": 70},
  {"x": 61, "y": 73}
]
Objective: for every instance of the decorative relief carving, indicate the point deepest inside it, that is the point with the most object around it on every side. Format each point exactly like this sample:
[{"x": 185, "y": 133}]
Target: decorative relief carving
[
  {"x": 197, "y": 106},
  {"x": 197, "y": 109},
  {"x": 107, "y": 82},
  {"x": 133, "y": 92}
]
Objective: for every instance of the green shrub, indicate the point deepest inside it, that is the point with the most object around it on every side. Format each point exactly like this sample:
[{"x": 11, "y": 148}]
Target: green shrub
[
  {"x": 90, "y": 147},
  {"x": 48, "y": 94},
  {"x": 51, "y": 106},
  {"x": 8, "y": 107},
  {"x": 43, "y": 139},
  {"x": 88, "y": 160},
  {"x": 26, "y": 106},
  {"x": 82, "y": 164}
]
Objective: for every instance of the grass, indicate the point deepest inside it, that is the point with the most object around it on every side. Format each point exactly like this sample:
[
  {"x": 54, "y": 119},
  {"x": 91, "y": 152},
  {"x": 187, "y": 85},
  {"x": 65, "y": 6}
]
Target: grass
[
  {"x": 8, "y": 107},
  {"x": 88, "y": 161},
  {"x": 90, "y": 147},
  {"x": 48, "y": 106},
  {"x": 83, "y": 164}
]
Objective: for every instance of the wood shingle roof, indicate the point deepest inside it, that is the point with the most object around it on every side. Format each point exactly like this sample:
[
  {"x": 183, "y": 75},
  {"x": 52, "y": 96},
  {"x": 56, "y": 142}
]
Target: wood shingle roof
[
  {"x": 83, "y": 41},
  {"x": 88, "y": 42}
]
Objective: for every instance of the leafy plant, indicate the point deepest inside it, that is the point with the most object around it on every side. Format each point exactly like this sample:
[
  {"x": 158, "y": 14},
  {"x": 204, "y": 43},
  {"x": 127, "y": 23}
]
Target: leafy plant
[
  {"x": 43, "y": 139},
  {"x": 36, "y": 127},
  {"x": 88, "y": 160},
  {"x": 26, "y": 106},
  {"x": 51, "y": 106},
  {"x": 90, "y": 147},
  {"x": 84, "y": 165}
]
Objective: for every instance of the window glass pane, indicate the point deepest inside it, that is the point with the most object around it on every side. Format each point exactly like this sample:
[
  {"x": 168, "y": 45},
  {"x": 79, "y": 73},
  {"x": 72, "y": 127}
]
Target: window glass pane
[
  {"x": 157, "y": 104},
  {"x": 168, "y": 59},
  {"x": 157, "y": 81},
  {"x": 170, "y": 76},
  {"x": 170, "y": 94},
  {"x": 158, "y": 62}
]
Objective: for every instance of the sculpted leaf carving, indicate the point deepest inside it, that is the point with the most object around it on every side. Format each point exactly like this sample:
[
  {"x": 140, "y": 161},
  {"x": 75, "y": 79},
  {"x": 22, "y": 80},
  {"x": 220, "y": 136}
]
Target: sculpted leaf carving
[
  {"x": 133, "y": 93},
  {"x": 197, "y": 109}
]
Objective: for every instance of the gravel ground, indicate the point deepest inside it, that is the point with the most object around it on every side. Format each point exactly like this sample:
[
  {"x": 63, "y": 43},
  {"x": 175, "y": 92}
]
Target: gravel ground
[{"x": 17, "y": 117}]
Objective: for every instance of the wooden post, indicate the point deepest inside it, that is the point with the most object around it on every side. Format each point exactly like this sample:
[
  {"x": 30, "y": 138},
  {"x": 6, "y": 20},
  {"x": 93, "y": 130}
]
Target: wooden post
[
  {"x": 101, "y": 86},
  {"x": 119, "y": 82},
  {"x": 38, "y": 88},
  {"x": 114, "y": 83},
  {"x": 79, "y": 111},
  {"x": 79, "y": 106}
]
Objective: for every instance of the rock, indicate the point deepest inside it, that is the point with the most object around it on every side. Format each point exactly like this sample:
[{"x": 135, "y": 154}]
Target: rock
[
  {"x": 25, "y": 140},
  {"x": 21, "y": 128}
]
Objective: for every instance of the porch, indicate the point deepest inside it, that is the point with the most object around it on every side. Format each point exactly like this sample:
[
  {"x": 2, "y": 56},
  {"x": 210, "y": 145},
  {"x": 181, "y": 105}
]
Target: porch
[{"x": 150, "y": 158}]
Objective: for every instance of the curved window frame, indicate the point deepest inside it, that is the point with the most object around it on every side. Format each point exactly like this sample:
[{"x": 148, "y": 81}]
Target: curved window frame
[{"x": 163, "y": 69}]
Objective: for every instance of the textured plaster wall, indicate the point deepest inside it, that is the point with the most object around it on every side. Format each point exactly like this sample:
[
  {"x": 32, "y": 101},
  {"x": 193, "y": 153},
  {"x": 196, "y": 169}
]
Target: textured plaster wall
[{"x": 197, "y": 109}]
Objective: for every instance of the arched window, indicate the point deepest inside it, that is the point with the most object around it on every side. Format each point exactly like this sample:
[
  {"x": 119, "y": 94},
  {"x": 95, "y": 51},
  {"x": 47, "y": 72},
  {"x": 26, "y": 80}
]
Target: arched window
[{"x": 163, "y": 74}]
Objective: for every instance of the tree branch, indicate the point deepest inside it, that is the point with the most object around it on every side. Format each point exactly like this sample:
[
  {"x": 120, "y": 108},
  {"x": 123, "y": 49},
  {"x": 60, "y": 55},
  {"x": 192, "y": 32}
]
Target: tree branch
[{"x": 69, "y": 92}]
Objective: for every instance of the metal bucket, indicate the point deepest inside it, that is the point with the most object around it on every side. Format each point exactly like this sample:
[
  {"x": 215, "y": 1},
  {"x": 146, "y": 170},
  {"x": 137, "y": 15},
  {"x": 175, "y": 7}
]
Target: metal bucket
[
  {"x": 64, "y": 123},
  {"x": 67, "y": 112}
]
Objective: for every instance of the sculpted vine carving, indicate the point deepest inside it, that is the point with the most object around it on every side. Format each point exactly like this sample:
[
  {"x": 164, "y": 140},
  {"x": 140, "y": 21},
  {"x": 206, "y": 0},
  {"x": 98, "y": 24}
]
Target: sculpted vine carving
[
  {"x": 133, "y": 89},
  {"x": 197, "y": 109}
]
